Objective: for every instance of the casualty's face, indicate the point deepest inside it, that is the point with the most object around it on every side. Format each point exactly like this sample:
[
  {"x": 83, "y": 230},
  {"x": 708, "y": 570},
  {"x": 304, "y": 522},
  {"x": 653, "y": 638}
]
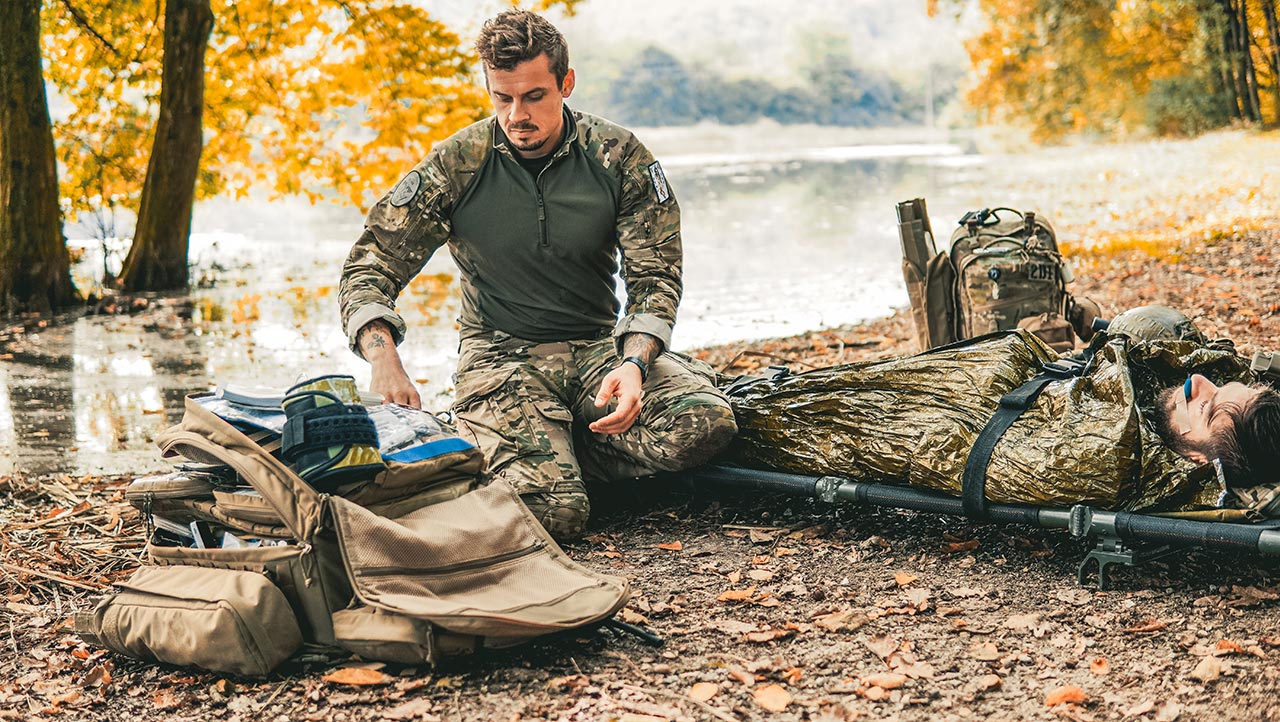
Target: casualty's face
[
  {"x": 1193, "y": 410},
  {"x": 529, "y": 104}
]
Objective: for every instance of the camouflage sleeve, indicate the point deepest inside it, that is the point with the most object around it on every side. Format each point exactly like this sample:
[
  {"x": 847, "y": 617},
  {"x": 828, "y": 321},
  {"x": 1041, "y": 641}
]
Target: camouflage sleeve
[
  {"x": 649, "y": 236},
  {"x": 401, "y": 232}
]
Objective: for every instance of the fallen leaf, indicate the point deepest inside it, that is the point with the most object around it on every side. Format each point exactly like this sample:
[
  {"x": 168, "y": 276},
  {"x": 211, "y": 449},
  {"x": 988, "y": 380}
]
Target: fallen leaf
[
  {"x": 772, "y": 697},
  {"x": 98, "y": 676},
  {"x": 1075, "y": 596},
  {"x": 918, "y": 597},
  {"x": 985, "y": 651},
  {"x": 988, "y": 681},
  {"x": 166, "y": 701},
  {"x": 1226, "y": 646},
  {"x": 1209, "y": 669},
  {"x": 357, "y": 677},
  {"x": 957, "y": 547},
  {"x": 1100, "y": 666},
  {"x": 674, "y": 546},
  {"x": 735, "y": 576},
  {"x": 842, "y": 621},
  {"x": 736, "y": 595},
  {"x": 1169, "y": 712},
  {"x": 1148, "y": 625},
  {"x": 875, "y": 694},
  {"x": 1021, "y": 622},
  {"x": 760, "y": 575},
  {"x": 1070, "y": 693},
  {"x": 768, "y": 635},
  {"x": 882, "y": 646},
  {"x": 885, "y": 680},
  {"x": 414, "y": 709},
  {"x": 703, "y": 691},
  {"x": 904, "y": 579},
  {"x": 733, "y": 626},
  {"x": 1140, "y": 708},
  {"x": 746, "y": 678},
  {"x": 793, "y": 675},
  {"x": 761, "y": 560},
  {"x": 763, "y": 536},
  {"x": 631, "y": 617}
]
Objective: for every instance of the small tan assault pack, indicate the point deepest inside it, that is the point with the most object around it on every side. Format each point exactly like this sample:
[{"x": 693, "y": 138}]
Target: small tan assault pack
[
  {"x": 410, "y": 564},
  {"x": 1003, "y": 271}
]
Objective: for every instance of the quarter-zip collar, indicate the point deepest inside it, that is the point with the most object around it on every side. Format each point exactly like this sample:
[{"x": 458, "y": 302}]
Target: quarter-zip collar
[{"x": 569, "y": 133}]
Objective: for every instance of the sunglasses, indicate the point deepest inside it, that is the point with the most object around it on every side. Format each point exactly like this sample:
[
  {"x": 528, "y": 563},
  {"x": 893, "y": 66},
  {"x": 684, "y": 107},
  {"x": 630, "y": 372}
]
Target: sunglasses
[{"x": 1182, "y": 400}]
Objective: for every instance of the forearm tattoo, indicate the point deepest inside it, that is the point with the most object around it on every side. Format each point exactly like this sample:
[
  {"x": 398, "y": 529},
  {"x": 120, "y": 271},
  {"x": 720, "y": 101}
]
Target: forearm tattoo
[
  {"x": 375, "y": 334},
  {"x": 642, "y": 346}
]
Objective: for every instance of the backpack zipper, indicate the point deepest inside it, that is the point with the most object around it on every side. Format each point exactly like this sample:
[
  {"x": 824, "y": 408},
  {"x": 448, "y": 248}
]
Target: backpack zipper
[{"x": 454, "y": 568}]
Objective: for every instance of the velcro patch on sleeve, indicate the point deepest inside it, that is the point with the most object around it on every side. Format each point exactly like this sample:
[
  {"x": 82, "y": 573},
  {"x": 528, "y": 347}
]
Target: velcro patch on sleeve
[
  {"x": 660, "y": 187},
  {"x": 406, "y": 189}
]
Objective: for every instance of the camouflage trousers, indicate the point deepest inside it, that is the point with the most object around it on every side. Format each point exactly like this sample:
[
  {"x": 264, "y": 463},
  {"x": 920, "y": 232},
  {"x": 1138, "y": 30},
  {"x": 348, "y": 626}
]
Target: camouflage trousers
[{"x": 526, "y": 405}]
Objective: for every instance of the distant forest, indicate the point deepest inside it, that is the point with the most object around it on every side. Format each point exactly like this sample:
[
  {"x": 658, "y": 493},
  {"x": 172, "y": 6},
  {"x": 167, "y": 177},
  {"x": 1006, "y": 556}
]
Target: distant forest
[{"x": 654, "y": 88}]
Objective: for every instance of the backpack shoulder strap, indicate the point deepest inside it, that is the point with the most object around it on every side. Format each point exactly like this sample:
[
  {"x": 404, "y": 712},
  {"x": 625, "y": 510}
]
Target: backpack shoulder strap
[{"x": 1012, "y": 405}]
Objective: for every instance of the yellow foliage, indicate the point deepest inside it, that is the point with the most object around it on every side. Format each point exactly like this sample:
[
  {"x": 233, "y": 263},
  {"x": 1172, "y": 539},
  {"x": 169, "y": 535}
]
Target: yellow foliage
[
  {"x": 1088, "y": 66},
  {"x": 328, "y": 99}
]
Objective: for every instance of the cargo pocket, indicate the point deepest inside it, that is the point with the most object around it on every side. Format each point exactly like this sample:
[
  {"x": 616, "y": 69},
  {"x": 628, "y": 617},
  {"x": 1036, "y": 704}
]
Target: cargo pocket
[
  {"x": 508, "y": 424},
  {"x": 216, "y": 619}
]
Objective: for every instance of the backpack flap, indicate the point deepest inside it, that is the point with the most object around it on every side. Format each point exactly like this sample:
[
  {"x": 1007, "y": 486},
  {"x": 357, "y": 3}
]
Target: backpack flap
[
  {"x": 204, "y": 436},
  {"x": 478, "y": 564}
]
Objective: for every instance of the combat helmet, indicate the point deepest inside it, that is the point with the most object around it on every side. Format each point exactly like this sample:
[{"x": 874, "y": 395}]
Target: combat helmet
[{"x": 1155, "y": 323}]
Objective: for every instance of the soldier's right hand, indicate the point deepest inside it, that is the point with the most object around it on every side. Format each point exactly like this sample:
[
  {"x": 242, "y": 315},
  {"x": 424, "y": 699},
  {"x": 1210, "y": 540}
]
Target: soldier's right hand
[{"x": 394, "y": 385}]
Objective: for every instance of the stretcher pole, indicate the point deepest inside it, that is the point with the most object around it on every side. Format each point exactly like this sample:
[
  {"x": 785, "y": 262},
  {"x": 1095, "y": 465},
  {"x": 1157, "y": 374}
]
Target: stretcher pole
[{"x": 1116, "y": 532}]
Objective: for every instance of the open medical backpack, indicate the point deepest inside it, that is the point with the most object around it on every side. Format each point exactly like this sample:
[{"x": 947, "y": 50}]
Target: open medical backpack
[
  {"x": 1003, "y": 271},
  {"x": 412, "y": 564}
]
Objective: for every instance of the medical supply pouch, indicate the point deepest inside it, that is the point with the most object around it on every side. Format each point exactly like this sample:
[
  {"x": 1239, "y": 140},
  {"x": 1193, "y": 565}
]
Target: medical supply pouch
[{"x": 216, "y": 619}]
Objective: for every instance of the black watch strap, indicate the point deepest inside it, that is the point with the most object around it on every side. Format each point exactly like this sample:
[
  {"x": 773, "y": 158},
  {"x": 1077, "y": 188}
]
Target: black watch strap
[{"x": 640, "y": 363}]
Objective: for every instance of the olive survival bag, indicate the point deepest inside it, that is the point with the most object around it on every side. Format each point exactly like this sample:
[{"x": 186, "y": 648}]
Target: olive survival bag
[
  {"x": 1003, "y": 271},
  {"x": 414, "y": 564}
]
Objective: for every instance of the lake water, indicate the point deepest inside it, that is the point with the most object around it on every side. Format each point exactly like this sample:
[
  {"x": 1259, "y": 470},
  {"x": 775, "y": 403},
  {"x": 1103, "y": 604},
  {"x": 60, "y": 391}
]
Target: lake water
[{"x": 777, "y": 241}]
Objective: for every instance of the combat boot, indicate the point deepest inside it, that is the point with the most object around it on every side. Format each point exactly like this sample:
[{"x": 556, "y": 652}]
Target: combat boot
[
  {"x": 562, "y": 509},
  {"x": 329, "y": 439}
]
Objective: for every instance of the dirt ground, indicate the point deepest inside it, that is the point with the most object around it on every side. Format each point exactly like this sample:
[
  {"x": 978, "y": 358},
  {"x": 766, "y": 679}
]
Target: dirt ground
[{"x": 771, "y": 608}]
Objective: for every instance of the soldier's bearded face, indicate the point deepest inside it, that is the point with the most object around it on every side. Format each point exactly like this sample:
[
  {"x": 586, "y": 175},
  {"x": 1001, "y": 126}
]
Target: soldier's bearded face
[
  {"x": 529, "y": 104},
  {"x": 1191, "y": 426}
]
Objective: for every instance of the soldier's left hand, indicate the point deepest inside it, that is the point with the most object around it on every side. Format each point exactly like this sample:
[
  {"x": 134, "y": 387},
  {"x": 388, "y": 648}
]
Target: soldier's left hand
[{"x": 623, "y": 383}]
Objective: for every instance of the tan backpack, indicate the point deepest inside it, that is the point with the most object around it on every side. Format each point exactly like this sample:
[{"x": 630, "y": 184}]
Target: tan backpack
[{"x": 417, "y": 563}]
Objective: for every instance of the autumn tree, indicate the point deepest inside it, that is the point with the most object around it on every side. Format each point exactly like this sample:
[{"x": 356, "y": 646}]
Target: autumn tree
[
  {"x": 34, "y": 264},
  {"x": 329, "y": 99},
  {"x": 1178, "y": 66},
  {"x": 158, "y": 257}
]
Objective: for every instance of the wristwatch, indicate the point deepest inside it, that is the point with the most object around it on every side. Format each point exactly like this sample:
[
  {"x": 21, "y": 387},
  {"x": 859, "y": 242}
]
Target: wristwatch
[{"x": 640, "y": 364}]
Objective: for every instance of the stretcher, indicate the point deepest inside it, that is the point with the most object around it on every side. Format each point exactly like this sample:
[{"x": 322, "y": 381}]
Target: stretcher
[{"x": 1118, "y": 537}]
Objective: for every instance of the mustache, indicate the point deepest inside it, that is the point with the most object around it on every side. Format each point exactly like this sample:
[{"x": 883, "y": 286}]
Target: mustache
[{"x": 522, "y": 126}]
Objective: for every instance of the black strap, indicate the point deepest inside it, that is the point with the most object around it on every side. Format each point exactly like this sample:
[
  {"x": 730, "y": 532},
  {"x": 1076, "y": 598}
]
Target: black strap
[
  {"x": 327, "y": 426},
  {"x": 973, "y": 485}
]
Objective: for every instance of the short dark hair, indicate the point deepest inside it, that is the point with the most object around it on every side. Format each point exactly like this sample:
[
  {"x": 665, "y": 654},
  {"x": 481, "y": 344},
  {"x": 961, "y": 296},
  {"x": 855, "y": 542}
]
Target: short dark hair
[
  {"x": 1249, "y": 447},
  {"x": 516, "y": 36}
]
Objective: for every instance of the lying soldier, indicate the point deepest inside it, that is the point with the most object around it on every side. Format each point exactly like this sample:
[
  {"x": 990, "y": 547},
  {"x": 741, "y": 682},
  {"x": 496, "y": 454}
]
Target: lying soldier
[{"x": 1133, "y": 430}]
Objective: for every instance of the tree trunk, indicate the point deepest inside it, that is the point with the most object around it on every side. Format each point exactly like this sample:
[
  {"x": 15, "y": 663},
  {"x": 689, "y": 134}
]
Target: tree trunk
[
  {"x": 157, "y": 259},
  {"x": 1248, "y": 73},
  {"x": 35, "y": 267},
  {"x": 1227, "y": 11},
  {"x": 1273, "y": 36}
]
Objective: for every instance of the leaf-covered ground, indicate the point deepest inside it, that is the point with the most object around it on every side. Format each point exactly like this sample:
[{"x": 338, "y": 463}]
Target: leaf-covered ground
[{"x": 772, "y": 608}]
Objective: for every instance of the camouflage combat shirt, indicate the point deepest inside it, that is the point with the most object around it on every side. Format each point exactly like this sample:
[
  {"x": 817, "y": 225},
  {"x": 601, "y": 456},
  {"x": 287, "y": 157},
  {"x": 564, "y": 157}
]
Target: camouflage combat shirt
[{"x": 537, "y": 254}]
